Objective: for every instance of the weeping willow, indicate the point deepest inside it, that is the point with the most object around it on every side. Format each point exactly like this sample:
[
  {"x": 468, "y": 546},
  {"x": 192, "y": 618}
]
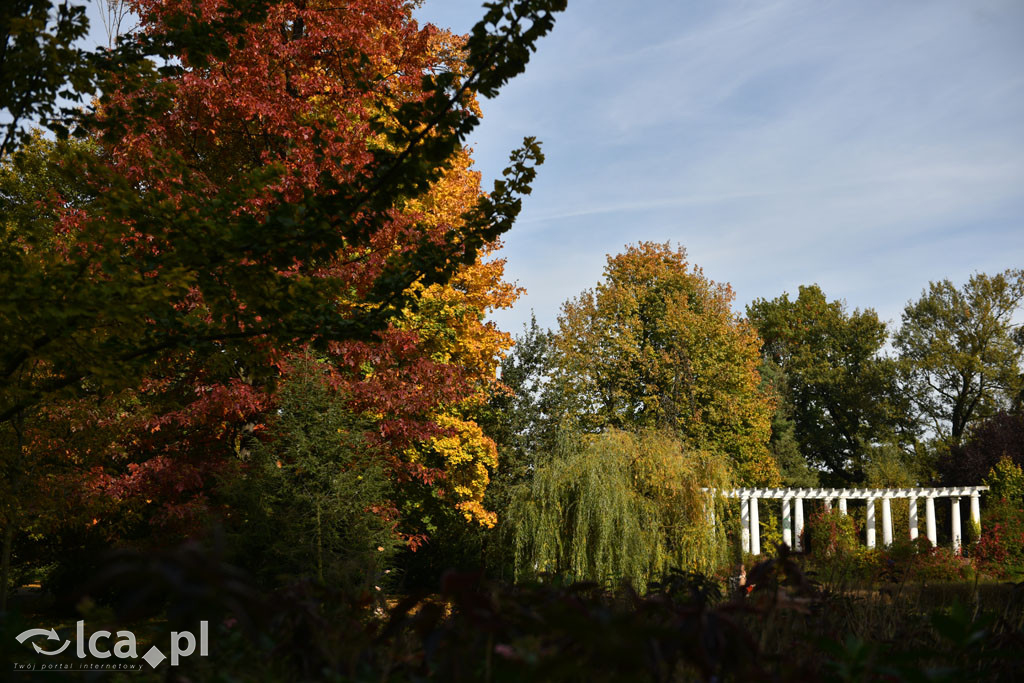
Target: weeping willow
[{"x": 619, "y": 506}]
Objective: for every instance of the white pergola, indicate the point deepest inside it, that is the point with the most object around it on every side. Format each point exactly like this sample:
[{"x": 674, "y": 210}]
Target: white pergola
[{"x": 793, "y": 510}]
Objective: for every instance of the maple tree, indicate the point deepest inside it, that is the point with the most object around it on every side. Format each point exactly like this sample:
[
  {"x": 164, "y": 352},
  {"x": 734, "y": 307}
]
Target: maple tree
[
  {"x": 656, "y": 345},
  {"x": 236, "y": 177},
  {"x": 416, "y": 383},
  {"x": 417, "y": 376},
  {"x": 278, "y": 184}
]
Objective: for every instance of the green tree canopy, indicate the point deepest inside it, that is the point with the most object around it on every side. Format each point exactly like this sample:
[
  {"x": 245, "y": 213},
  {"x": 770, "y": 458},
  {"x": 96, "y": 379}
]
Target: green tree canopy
[
  {"x": 841, "y": 391},
  {"x": 518, "y": 417},
  {"x": 784, "y": 447},
  {"x": 40, "y": 64},
  {"x": 959, "y": 352}
]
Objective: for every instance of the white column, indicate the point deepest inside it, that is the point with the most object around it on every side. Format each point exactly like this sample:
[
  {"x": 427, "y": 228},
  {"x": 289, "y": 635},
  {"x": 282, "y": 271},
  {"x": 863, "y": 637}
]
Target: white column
[
  {"x": 886, "y": 520},
  {"x": 956, "y": 525},
  {"x": 787, "y": 523},
  {"x": 913, "y": 517},
  {"x": 976, "y": 511},
  {"x": 870, "y": 523},
  {"x": 755, "y": 528},
  {"x": 745, "y": 523},
  {"x": 798, "y": 524},
  {"x": 929, "y": 520},
  {"x": 828, "y": 504},
  {"x": 842, "y": 505}
]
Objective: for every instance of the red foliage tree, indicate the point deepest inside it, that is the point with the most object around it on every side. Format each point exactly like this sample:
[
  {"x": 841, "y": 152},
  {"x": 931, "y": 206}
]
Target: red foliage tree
[
  {"x": 257, "y": 193},
  {"x": 306, "y": 100}
]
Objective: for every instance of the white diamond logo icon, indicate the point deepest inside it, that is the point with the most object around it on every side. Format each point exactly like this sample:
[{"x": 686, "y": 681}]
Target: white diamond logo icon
[{"x": 154, "y": 657}]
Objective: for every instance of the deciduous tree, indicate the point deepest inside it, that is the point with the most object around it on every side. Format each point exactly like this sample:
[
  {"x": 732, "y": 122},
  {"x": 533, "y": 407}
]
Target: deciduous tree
[
  {"x": 841, "y": 391},
  {"x": 656, "y": 345},
  {"x": 618, "y": 506},
  {"x": 987, "y": 442},
  {"x": 236, "y": 177},
  {"x": 273, "y": 186},
  {"x": 958, "y": 352}
]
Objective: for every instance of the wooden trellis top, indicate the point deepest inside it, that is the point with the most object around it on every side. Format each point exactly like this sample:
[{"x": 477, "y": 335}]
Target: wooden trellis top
[{"x": 860, "y": 493}]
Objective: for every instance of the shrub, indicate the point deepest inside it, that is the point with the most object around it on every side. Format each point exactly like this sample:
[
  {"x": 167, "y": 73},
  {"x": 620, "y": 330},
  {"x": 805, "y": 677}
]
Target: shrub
[
  {"x": 830, "y": 533},
  {"x": 1006, "y": 479},
  {"x": 683, "y": 629},
  {"x": 940, "y": 563},
  {"x": 917, "y": 560},
  {"x": 833, "y": 541},
  {"x": 1000, "y": 552}
]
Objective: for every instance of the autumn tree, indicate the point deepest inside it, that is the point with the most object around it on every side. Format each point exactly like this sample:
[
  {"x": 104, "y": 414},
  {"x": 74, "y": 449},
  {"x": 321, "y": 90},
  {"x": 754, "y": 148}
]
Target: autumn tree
[
  {"x": 262, "y": 191},
  {"x": 840, "y": 391},
  {"x": 35, "y": 461},
  {"x": 286, "y": 180},
  {"x": 656, "y": 345},
  {"x": 419, "y": 379},
  {"x": 958, "y": 351}
]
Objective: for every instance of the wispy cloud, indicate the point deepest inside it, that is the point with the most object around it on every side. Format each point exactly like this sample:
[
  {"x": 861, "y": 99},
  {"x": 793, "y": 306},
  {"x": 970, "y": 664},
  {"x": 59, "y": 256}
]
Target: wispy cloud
[{"x": 868, "y": 146}]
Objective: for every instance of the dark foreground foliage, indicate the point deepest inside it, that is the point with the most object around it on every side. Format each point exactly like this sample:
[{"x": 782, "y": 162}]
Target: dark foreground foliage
[{"x": 782, "y": 625}]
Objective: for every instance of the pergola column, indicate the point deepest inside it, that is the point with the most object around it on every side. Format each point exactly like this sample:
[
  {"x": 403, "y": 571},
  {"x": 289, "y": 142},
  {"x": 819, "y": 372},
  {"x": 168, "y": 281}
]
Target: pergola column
[
  {"x": 798, "y": 525},
  {"x": 755, "y": 528},
  {"x": 792, "y": 500},
  {"x": 956, "y": 524},
  {"x": 787, "y": 523},
  {"x": 929, "y": 520},
  {"x": 976, "y": 512},
  {"x": 913, "y": 518},
  {"x": 745, "y": 523},
  {"x": 886, "y": 520},
  {"x": 870, "y": 523}
]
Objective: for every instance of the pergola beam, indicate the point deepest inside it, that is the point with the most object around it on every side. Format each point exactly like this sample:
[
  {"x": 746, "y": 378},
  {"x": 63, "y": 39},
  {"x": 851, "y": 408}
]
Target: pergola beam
[{"x": 858, "y": 493}]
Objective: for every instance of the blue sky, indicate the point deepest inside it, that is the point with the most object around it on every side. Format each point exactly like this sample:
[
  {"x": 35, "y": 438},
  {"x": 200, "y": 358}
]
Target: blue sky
[{"x": 869, "y": 147}]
